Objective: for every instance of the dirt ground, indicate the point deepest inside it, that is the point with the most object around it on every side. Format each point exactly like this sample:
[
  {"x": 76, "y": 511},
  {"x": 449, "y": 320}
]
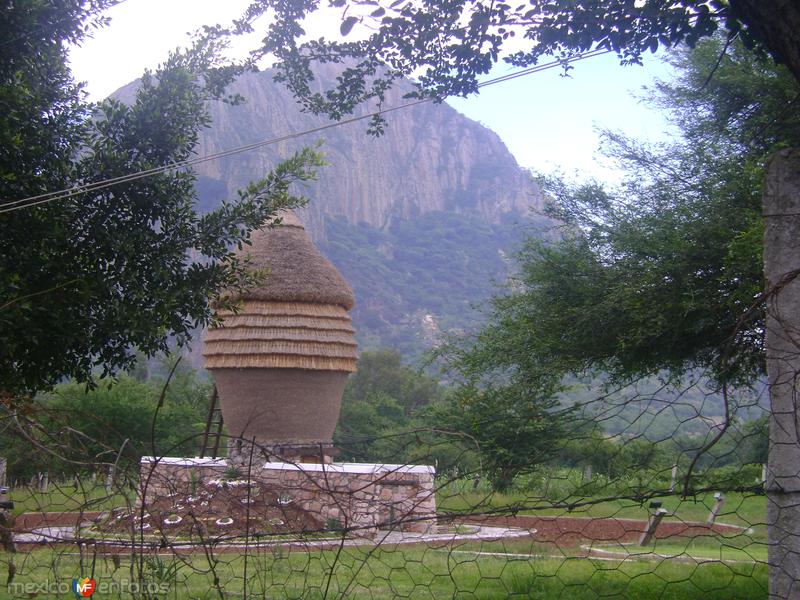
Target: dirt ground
[
  {"x": 574, "y": 531},
  {"x": 268, "y": 516},
  {"x": 215, "y": 509}
]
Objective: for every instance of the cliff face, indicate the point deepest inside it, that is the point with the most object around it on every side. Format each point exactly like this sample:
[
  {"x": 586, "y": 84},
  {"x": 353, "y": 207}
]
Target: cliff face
[
  {"x": 419, "y": 221},
  {"x": 431, "y": 158}
]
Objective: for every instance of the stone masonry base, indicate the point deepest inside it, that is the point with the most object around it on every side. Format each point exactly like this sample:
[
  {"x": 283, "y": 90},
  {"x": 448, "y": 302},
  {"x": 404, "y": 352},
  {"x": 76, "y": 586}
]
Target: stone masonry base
[{"x": 359, "y": 497}]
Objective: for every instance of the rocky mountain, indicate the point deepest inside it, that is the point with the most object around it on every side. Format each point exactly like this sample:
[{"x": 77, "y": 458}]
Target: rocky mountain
[
  {"x": 420, "y": 220},
  {"x": 431, "y": 158}
]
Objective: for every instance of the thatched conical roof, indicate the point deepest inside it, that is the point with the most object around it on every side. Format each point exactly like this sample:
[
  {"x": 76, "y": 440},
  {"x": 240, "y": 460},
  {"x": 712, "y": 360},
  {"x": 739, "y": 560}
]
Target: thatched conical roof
[
  {"x": 297, "y": 270},
  {"x": 297, "y": 319}
]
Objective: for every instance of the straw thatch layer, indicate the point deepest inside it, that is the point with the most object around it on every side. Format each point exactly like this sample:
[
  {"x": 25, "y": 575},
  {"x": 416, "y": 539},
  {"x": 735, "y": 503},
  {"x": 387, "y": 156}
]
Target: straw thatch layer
[
  {"x": 259, "y": 307},
  {"x": 322, "y": 350},
  {"x": 297, "y": 270},
  {"x": 284, "y": 321},
  {"x": 286, "y": 334},
  {"x": 267, "y": 335},
  {"x": 281, "y": 361}
]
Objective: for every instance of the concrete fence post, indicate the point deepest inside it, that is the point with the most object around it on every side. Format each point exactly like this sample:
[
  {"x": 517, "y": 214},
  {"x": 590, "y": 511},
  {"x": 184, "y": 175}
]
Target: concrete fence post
[{"x": 782, "y": 342}]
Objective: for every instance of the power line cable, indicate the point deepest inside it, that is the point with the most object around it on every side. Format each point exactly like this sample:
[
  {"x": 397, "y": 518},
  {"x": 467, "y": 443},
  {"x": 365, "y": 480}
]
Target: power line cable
[
  {"x": 91, "y": 187},
  {"x": 106, "y": 183}
]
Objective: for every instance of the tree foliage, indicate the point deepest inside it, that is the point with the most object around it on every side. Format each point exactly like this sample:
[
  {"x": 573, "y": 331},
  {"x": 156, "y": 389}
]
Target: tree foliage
[
  {"x": 448, "y": 46},
  {"x": 71, "y": 431},
  {"x": 86, "y": 278},
  {"x": 659, "y": 276},
  {"x": 383, "y": 401},
  {"x": 665, "y": 273}
]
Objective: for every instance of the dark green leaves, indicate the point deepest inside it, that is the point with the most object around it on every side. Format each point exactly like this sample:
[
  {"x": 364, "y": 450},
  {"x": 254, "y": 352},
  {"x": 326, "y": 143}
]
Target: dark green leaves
[
  {"x": 447, "y": 46},
  {"x": 347, "y": 25},
  {"x": 85, "y": 280}
]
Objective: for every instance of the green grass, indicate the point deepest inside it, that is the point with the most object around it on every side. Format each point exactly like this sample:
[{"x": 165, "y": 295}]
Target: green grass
[
  {"x": 734, "y": 548},
  {"x": 739, "y": 509},
  {"x": 408, "y": 573},
  {"x": 741, "y": 547},
  {"x": 65, "y": 497},
  {"x": 581, "y": 579}
]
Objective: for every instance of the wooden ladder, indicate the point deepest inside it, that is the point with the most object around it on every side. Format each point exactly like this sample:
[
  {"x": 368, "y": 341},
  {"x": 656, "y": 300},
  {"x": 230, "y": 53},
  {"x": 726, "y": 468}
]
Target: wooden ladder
[{"x": 213, "y": 428}]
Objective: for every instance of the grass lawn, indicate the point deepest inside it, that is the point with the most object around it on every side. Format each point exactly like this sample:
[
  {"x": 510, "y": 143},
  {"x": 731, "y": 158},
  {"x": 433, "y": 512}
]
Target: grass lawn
[
  {"x": 738, "y": 509},
  {"x": 514, "y": 568},
  {"x": 751, "y": 552},
  {"x": 390, "y": 573},
  {"x": 741, "y": 547},
  {"x": 737, "y": 548},
  {"x": 64, "y": 497}
]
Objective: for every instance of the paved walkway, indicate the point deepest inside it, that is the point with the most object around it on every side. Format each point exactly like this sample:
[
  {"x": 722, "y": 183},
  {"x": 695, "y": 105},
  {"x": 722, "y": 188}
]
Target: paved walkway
[{"x": 49, "y": 535}]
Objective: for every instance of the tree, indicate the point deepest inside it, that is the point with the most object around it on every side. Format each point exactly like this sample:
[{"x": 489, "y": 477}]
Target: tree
[
  {"x": 453, "y": 43},
  {"x": 72, "y": 431},
  {"x": 516, "y": 427},
  {"x": 383, "y": 372},
  {"x": 448, "y": 46},
  {"x": 380, "y": 406},
  {"x": 665, "y": 274},
  {"x": 88, "y": 276},
  {"x": 671, "y": 262}
]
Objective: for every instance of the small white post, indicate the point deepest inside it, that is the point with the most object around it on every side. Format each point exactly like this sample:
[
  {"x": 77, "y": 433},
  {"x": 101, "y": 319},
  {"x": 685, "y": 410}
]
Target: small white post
[
  {"x": 674, "y": 481},
  {"x": 110, "y": 478},
  {"x": 720, "y": 500}
]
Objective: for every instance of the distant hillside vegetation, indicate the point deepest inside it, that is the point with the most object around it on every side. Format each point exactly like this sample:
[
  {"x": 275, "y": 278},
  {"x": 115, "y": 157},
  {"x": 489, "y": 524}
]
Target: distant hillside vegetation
[
  {"x": 418, "y": 220},
  {"x": 419, "y": 279}
]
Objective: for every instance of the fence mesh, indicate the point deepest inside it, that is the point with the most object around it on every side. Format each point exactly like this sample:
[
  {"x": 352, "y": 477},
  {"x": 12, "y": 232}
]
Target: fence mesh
[{"x": 631, "y": 503}]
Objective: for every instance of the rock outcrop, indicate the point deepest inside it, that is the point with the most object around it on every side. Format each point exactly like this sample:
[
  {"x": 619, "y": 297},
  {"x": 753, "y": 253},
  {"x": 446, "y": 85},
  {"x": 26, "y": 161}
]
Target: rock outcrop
[
  {"x": 417, "y": 220},
  {"x": 431, "y": 158}
]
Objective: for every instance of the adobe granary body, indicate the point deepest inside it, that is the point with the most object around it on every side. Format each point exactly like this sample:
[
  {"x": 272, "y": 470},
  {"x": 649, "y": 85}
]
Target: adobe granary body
[{"x": 281, "y": 362}]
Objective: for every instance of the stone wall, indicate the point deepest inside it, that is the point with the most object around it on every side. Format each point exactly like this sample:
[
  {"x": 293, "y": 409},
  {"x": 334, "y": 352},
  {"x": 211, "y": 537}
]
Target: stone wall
[{"x": 359, "y": 497}]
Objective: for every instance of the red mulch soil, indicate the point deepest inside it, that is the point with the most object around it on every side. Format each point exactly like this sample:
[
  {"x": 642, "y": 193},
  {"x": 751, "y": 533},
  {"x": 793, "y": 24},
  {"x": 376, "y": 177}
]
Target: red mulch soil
[
  {"x": 215, "y": 509},
  {"x": 28, "y": 521},
  {"x": 574, "y": 531}
]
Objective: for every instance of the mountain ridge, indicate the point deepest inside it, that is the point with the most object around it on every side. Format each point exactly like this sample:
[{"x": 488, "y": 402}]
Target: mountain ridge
[
  {"x": 430, "y": 158},
  {"x": 419, "y": 220}
]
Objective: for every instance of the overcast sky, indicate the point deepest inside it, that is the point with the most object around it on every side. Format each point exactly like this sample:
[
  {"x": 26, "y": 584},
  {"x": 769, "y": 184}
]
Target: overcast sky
[{"x": 548, "y": 121}]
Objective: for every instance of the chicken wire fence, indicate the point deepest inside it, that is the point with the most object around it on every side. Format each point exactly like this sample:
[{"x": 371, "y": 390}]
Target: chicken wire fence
[{"x": 652, "y": 510}]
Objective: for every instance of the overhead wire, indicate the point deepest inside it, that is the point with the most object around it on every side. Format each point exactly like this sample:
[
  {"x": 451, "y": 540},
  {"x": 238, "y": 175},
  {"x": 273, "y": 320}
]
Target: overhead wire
[{"x": 106, "y": 183}]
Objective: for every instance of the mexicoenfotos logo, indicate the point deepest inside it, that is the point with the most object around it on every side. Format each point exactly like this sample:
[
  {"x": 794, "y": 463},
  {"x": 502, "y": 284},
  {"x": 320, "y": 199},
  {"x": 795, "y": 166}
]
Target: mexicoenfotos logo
[{"x": 83, "y": 588}]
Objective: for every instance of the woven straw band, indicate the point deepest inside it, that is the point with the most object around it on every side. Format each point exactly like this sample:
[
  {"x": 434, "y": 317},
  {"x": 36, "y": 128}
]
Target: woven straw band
[
  {"x": 283, "y": 335},
  {"x": 286, "y": 334},
  {"x": 285, "y": 321},
  {"x": 281, "y": 361},
  {"x": 261, "y": 307}
]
